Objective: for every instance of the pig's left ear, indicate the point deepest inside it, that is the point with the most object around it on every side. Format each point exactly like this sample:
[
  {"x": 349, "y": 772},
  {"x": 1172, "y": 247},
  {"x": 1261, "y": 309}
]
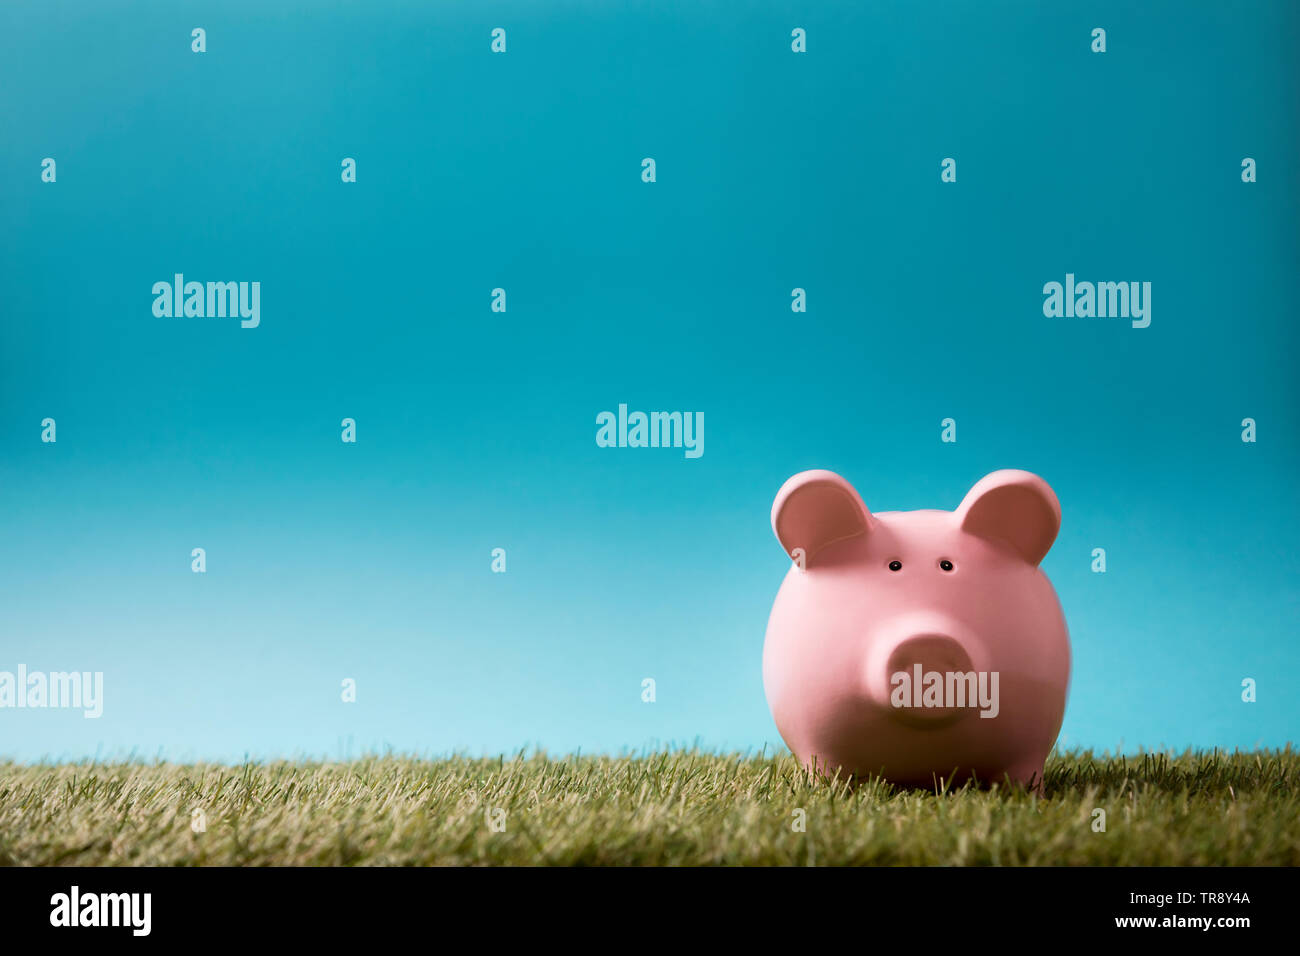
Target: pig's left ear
[
  {"x": 817, "y": 508},
  {"x": 1016, "y": 508}
]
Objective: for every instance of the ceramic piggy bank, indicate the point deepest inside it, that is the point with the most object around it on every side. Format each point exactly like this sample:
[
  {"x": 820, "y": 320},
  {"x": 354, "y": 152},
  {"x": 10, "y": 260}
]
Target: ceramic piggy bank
[{"x": 918, "y": 645}]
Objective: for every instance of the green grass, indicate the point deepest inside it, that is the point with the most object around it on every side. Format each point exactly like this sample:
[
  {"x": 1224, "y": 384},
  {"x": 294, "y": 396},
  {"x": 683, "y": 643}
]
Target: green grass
[{"x": 679, "y": 807}]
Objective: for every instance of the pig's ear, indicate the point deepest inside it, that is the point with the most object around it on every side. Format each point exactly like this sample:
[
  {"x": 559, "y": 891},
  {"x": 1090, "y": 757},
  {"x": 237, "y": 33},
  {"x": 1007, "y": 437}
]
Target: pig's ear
[
  {"x": 817, "y": 508},
  {"x": 1013, "y": 507}
]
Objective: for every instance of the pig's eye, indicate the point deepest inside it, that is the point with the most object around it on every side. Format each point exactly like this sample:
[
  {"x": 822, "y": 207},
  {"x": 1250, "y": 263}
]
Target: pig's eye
[
  {"x": 945, "y": 565},
  {"x": 895, "y": 565}
]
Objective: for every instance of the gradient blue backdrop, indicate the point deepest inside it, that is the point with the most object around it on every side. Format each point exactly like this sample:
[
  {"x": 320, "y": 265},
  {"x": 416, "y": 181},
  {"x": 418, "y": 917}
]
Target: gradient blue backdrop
[{"x": 476, "y": 429}]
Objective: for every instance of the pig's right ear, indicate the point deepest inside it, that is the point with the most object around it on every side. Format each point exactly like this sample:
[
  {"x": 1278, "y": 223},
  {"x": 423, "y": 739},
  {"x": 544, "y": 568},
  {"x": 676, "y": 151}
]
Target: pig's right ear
[
  {"x": 1014, "y": 507},
  {"x": 814, "y": 509}
]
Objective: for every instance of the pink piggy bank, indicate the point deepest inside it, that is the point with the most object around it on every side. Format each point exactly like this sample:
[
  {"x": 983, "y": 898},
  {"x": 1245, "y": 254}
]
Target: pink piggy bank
[{"x": 918, "y": 645}]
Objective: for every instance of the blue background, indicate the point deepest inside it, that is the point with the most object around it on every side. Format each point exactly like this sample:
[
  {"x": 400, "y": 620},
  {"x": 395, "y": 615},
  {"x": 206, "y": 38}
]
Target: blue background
[{"x": 476, "y": 429}]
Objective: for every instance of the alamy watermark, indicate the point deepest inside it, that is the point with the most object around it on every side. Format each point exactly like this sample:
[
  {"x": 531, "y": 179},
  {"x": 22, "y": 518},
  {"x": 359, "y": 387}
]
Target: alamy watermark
[
  {"x": 75, "y": 690},
  {"x": 651, "y": 430},
  {"x": 946, "y": 689},
  {"x": 130, "y": 910},
  {"x": 197, "y": 300},
  {"x": 1100, "y": 300}
]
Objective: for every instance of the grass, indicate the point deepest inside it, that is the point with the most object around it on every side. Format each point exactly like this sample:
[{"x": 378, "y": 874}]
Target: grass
[{"x": 673, "y": 807}]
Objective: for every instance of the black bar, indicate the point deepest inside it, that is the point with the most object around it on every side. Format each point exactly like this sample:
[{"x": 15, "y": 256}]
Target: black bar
[{"x": 929, "y": 906}]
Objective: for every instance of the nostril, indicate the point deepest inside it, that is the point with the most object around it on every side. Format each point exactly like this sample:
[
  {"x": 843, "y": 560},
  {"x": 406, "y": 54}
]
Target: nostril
[{"x": 934, "y": 652}]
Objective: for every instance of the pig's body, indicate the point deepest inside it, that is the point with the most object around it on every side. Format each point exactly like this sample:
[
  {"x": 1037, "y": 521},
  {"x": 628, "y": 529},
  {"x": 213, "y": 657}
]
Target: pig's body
[{"x": 845, "y": 626}]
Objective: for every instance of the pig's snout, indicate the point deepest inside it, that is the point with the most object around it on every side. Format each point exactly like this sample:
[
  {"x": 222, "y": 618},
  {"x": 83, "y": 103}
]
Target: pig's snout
[{"x": 912, "y": 675}]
